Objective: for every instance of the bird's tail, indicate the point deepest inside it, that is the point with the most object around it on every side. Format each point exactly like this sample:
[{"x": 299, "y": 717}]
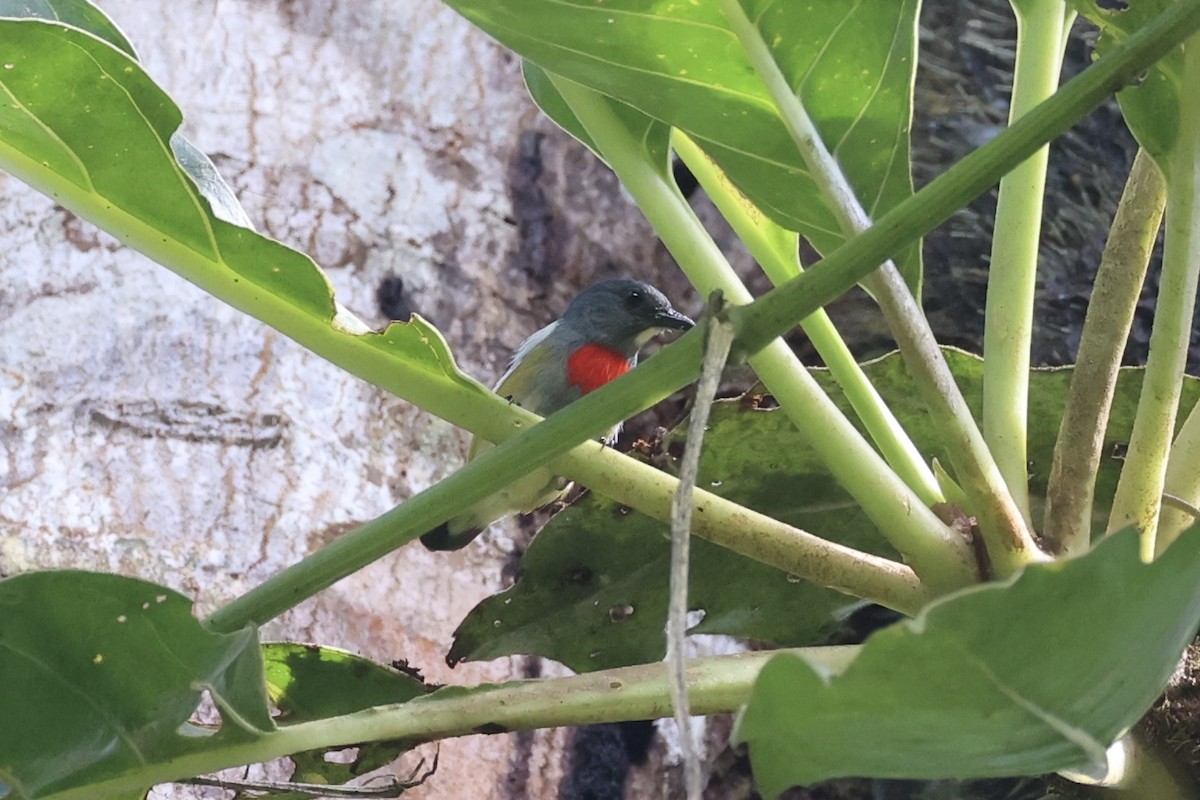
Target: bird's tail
[{"x": 444, "y": 538}]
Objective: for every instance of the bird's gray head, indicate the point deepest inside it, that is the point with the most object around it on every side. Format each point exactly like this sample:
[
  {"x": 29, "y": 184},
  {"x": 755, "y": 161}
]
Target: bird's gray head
[{"x": 622, "y": 314}]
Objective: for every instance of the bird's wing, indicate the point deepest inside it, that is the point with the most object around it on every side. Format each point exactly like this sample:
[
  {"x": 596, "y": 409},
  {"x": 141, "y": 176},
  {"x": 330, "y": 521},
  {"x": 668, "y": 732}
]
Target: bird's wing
[
  {"x": 537, "y": 378},
  {"x": 523, "y": 351}
]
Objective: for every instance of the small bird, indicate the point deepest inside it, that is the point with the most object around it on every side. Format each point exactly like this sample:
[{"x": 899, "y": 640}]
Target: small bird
[{"x": 594, "y": 342}]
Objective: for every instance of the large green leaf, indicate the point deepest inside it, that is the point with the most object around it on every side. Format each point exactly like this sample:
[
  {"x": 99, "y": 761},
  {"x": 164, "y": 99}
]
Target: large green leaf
[
  {"x": 101, "y": 672},
  {"x": 591, "y": 592},
  {"x": 1036, "y": 676},
  {"x": 852, "y": 62},
  {"x": 1151, "y": 107},
  {"x": 81, "y": 121}
]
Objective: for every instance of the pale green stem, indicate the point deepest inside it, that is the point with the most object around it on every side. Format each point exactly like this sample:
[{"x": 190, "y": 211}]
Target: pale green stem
[
  {"x": 1007, "y": 536},
  {"x": 1140, "y": 490},
  {"x": 1012, "y": 274},
  {"x": 1067, "y": 527},
  {"x": 941, "y": 556},
  {"x": 1182, "y": 482},
  {"x": 716, "y": 685},
  {"x": 779, "y": 260},
  {"x": 716, "y": 351}
]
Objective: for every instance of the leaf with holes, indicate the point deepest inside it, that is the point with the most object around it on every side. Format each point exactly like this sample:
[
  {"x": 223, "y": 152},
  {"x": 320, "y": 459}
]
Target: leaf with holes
[
  {"x": 307, "y": 682},
  {"x": 592, "y": 594}
]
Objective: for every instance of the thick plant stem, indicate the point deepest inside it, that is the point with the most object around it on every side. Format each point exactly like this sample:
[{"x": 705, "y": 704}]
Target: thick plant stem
[
  {"x": 1139, "y": 492},
  {"x": 1077, "y": 452},
  {"x": 775, "y": 251},
  {"x": 716, "y": 351},
  {"x": 1012, "y": 274},
  {"x": 717, "y": 685},
  {"x": 1005, "y": 530},
  {"x": 940, "y": 556}
]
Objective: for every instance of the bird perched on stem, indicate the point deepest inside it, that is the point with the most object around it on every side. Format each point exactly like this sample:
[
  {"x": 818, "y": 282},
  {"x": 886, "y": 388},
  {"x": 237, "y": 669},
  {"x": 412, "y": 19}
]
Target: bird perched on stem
[{"x": 595, "y": 341}]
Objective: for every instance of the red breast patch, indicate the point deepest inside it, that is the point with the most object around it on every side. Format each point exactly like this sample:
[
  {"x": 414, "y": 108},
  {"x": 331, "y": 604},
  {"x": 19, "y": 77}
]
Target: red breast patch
[{"x": 594, "y": 365}]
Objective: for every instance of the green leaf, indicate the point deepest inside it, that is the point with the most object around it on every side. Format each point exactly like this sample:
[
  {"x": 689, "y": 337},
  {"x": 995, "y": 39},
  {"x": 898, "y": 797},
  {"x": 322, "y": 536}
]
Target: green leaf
[
  {"x": 1047, "y": 397},
  {"x": 80, "y": 14},
  {"x": 1151, "y": 107},
  {"x": 591, "y": 592},
  {"x": 552, "y": 104},
  {"x": 1019, "y": 679},
  {"x": 81, "y": 121},
  {"x": 102, "y": 671},
  {"x": 84, "y": 16},
  {"x": 307, "y": 682},
  {"x": 654, "y": 135},
  {"x": 592, "y": 595},
  {"x": 853, "y": 61}
]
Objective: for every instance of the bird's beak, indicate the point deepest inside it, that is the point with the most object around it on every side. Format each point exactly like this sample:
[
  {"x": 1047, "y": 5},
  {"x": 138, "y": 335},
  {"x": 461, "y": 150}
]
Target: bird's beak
[{"x": 670, "y": 318}]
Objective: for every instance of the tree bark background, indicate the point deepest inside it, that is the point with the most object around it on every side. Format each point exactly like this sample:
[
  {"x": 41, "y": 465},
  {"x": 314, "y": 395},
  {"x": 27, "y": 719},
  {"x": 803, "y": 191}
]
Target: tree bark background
[{"x": 147, "y": 429}]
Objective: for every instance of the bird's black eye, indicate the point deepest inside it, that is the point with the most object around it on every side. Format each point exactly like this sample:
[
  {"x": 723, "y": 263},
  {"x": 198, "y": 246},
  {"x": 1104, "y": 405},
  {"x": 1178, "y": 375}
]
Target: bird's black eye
[{"x": 633, "y": 299}]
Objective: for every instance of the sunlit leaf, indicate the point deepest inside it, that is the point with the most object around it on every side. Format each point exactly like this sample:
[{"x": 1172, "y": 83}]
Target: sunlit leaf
[
  {"x": 80, "y": 14},
  {"x": 81, "y": 121},
  {"x": 853, "y": 62},
  {"x": 307, "y": 682}
]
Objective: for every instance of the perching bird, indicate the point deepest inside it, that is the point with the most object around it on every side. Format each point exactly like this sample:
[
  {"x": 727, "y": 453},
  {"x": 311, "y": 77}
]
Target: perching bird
[{"x": 595, "y": 341}]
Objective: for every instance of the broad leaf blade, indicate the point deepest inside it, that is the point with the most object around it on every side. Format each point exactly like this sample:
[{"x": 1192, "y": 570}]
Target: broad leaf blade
[
  {"x": 102, "y": 670},
  {"x": 1020, "y": 679},
  {"x": 654, "y": 136},
  {"x": 853, "y": 61},
  {"x": 86, "y": 17},
  {"x": 592, "y": 588},
  {"x": 308, "y": 682}
]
